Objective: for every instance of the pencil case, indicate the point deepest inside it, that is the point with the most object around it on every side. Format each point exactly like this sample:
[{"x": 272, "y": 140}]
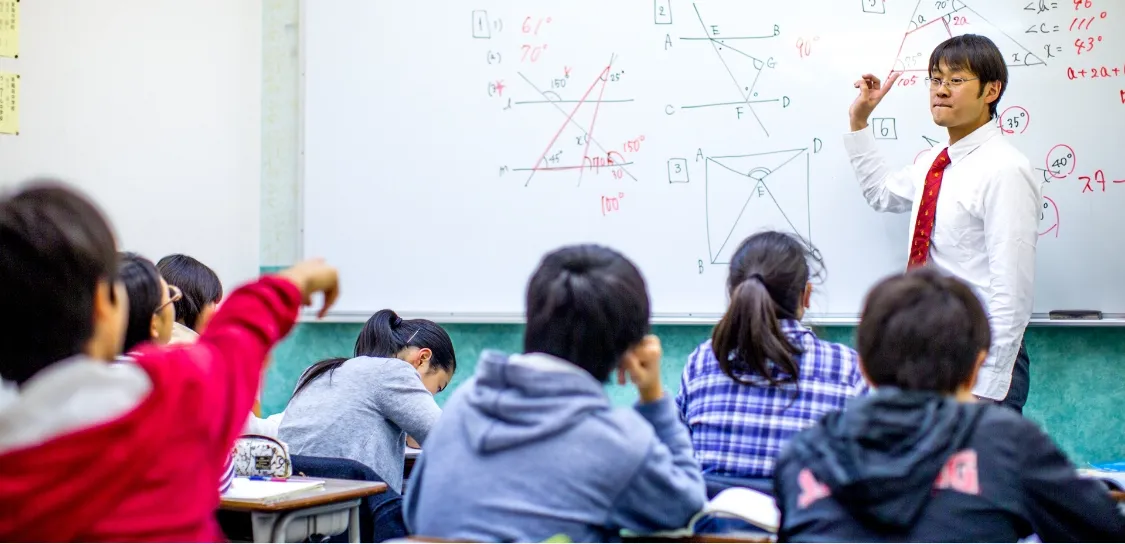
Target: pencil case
[{"x": 259, "y": 455}]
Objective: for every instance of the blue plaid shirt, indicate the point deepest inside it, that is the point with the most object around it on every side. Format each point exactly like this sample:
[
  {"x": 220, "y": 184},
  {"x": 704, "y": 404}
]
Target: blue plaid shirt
[{"x": 739, "y": 430}]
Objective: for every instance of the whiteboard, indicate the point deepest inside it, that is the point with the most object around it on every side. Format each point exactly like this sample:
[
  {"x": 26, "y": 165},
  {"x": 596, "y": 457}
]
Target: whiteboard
[
  {"x": 448, "y": 146},
  {"x": 153, "y": 110}
]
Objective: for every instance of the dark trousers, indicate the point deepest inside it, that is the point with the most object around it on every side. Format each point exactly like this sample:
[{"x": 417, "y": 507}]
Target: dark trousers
[{"x": 1021, "y": 382}]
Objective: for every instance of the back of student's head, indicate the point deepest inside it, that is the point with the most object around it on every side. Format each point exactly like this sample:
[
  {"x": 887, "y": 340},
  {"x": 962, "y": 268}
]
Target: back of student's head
[
  {"x": 922, "y": 331},
  {"x": 200, "y": 286},
  {"x": 58, "y": 262},
  {"x": 387, "y": 335},
  {"x": 586, "y": 304},
  {"x": 143, "y": 285},
  {"x": 768, "y": 282}
]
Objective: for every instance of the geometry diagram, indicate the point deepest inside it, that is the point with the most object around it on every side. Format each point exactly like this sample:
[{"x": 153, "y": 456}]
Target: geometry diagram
[
  {"x": 935, "y": 21},
  {"x": 750, "y": 193},
  {"x": 572, "y": 146},
  {"x": 742, "y": 68}
]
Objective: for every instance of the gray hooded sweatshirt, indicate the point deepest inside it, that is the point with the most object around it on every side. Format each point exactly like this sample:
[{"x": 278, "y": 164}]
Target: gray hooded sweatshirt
[{"x": 530, "y": 448}]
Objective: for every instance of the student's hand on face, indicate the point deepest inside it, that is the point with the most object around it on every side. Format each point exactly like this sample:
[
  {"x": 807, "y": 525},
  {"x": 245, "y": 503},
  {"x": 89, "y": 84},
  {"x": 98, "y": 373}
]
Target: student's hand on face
[
  {"x": 871, "y": 92},
  {"x": 314, "y": 276},
  {"x": 642, "y": 364}
]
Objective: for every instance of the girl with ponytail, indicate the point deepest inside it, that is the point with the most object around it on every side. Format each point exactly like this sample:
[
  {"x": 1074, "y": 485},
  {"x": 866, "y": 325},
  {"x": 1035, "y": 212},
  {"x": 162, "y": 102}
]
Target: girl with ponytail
[
  {"x": 364, "y": 407},
  {"x": 763, "y": 376}
]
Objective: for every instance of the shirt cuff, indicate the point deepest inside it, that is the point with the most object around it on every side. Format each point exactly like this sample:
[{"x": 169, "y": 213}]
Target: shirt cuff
[
  {"x": 994, "y": 380},
  {"x": 860, "y": 142}
]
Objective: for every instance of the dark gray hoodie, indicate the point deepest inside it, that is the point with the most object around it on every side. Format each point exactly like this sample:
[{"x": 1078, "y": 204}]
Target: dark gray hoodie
[
  {"x": 904, "y": 466},
  {"x": 530, "y": 448}
]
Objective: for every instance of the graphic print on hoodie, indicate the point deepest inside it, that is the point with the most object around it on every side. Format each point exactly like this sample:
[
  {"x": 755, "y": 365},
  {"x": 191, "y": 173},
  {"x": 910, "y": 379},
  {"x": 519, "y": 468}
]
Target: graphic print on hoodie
[
  {"x": 530, "y": 448},
  {"x": 917, "y": 466}
]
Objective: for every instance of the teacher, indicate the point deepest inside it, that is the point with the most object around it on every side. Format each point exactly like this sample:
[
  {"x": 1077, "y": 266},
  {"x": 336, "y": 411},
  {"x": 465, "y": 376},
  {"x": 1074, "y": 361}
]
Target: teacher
[{"x": 974, "y": 202}]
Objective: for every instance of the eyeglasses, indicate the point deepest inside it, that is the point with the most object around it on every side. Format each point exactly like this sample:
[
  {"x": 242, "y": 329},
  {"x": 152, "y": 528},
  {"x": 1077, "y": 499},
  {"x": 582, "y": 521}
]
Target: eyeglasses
[
  {"x": 174, "y": 295},
  {"x": 952, "y": 83}
]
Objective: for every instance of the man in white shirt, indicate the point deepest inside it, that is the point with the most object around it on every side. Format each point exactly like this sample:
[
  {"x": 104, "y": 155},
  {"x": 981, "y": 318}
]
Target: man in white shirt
[{"x": 974, "y": 203}]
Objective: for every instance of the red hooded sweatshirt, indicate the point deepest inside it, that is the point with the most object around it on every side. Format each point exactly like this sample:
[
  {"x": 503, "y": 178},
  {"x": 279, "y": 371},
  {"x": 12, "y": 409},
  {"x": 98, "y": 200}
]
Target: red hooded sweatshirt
[{"x": 132, "y": 452}]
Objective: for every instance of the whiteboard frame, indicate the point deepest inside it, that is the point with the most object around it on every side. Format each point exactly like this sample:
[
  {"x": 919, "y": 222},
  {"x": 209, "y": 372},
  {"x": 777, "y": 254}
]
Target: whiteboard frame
[
  {"x": 483, "y": 318},
  {"x": 838, "y": 320}
]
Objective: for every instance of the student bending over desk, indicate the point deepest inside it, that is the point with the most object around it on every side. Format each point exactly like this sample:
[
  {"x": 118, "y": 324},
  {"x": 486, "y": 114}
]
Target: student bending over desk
[
  {"x": 531, "y": 448},
  {"x": 920, "y": 460},
  {"x": 128, "y": 452}
]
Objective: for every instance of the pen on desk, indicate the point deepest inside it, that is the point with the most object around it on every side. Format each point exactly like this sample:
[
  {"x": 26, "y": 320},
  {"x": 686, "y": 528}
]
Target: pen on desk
[{"x": 258, "y": 478}]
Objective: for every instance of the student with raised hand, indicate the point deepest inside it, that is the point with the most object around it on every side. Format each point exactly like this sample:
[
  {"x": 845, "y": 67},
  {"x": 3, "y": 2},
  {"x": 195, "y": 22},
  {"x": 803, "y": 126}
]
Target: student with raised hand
[
  {"x": 151, "y": 311},
  {"x": 774, "y": 378},
  {"x": 531, "y": 447},
  {"x": 91, "y": 451},
  {"x": 920, "y": 460},
  {"x": 362, "y": 408},
  {"x": 202, "y": 292}
]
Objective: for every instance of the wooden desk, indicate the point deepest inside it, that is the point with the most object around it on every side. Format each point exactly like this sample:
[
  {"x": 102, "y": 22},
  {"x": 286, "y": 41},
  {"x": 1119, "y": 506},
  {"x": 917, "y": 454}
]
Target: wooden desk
[{"x": 270, "y": 519}]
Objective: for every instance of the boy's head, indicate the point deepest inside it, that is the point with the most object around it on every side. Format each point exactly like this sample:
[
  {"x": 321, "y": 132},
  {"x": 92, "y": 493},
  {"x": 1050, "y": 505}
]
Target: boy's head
[
  {"x": 922, "y": 331},
  {"x": 58, "y": 281},
  {"x": 586, "y": 304},
  {"x": 973, "y": 78},
  {"x": 200, "y": 286}
]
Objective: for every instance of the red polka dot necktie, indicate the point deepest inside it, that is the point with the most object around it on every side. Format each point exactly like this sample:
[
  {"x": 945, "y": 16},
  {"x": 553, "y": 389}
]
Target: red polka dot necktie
[{"x": 924, "y": 224}]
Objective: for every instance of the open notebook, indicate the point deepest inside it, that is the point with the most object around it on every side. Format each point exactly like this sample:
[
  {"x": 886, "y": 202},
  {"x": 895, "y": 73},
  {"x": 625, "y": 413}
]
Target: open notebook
[
  {"x": 242, "y": 488},
  {"x": 753, "y": 507}
]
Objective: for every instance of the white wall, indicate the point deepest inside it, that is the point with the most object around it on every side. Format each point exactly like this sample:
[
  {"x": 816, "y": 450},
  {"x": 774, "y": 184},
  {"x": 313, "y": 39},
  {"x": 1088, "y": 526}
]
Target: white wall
[{"x": 153, "y": 107}]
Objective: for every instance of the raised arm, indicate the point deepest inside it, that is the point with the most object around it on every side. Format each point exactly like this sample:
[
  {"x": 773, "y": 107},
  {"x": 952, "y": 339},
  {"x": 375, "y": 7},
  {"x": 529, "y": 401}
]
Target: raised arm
[
  {"x": 218, "y": 376},
  {"x": 885, "y": 190}
]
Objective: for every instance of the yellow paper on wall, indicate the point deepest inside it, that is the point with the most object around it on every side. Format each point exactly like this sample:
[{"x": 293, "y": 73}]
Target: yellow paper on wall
[
  {"x": 9, "y": 28},
  {"x": 9, "y": 103}
]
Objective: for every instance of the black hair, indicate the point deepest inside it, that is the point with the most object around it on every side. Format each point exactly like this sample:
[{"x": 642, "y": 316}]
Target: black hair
[
  {"x": 768, "y": 276},
  {"x": 385, "y": 335},
  {"x": 142, "y": 283},
  {"x": 198, "y": 283},
  {"x": 922, "y": 331},
  {"x": 588, "y": 305},
  {"x": 977, "y": 55},
  {"x": 56, "y": 246}
]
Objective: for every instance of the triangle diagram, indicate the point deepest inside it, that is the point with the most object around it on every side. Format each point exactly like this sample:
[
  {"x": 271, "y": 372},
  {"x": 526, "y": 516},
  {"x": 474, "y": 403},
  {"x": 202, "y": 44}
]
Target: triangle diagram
[
  {"x": 930, "y": 25},
  {"x": 744, "y": 68},
  {"x": 750, "y": 193},
  {"x": 929, "y": 11},
  {"x": 572, "y": 146}
]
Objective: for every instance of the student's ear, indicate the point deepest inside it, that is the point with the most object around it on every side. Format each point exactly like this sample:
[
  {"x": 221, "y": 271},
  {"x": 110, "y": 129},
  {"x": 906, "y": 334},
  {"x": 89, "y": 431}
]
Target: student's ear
[
  {"x": 807, "y": 297},
  {"x": 111, "y": 312},
  {"x": 422, "y": 358},
  {"x": 154, "y": 327}
]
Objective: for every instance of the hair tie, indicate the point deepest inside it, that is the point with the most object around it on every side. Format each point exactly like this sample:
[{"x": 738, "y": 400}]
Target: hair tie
[
  {"x": 756, "y": 276},
  {"x": 397, "y": 321}
]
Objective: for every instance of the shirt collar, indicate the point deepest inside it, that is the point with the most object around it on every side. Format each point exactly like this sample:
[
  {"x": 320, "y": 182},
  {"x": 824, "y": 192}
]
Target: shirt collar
[
  {"x": 792, "y": 326},
  {"x": 965, "y": 146}
]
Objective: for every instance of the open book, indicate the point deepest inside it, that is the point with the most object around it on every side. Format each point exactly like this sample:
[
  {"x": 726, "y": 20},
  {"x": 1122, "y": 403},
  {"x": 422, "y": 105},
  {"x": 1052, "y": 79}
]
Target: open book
[{"x": 753, "y": 507}]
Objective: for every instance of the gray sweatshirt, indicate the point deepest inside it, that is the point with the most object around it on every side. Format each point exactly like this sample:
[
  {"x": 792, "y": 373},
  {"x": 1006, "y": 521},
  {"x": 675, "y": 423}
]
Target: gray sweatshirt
[{"x": 362, "y": 411}]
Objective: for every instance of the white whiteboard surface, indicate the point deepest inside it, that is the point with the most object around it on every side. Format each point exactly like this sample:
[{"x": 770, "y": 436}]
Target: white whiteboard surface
[
  {"x": 422, "y": 118},
  {"x": 153, "y": 109}
]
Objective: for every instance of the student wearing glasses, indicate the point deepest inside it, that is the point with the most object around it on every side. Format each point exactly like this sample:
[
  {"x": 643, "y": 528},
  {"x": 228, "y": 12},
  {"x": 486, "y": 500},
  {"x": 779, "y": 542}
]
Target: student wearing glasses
[{"x": 974, "y": 202}]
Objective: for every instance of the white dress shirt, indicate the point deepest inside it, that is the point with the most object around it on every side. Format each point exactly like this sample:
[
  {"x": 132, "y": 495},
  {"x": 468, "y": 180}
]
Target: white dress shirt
[{"x": 985, "y": 229}]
